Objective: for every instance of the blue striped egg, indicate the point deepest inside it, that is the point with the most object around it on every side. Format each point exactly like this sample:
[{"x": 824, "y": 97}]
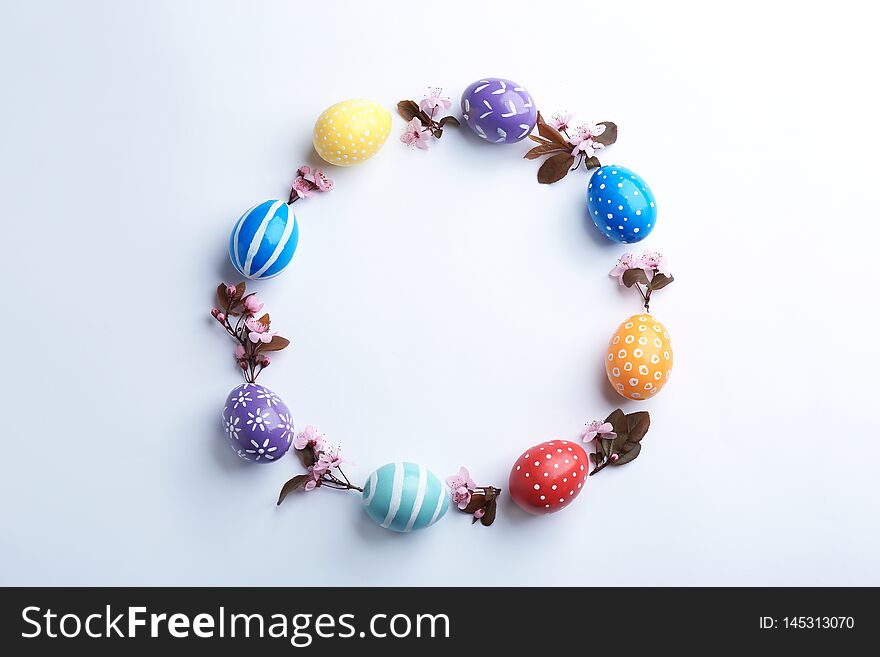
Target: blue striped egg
[
  {"x": 405, "y": 496},
  {"x": 621, "y": 204},
  {"x": 263, "y": 240}
]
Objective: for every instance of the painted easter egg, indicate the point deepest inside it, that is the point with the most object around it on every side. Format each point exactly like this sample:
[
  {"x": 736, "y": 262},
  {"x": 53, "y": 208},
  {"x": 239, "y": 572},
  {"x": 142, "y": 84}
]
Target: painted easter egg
[
  {"x": 639, "y": 358},
  {"x": 263, "y": 240},
  {"x": 546, "y": 478},
  {"x": 257, "y": 423},
  {"x": 351, "y": 132},
  {"x": 621, "y": 204},
  {"x": 498, "y": 110},
  {"x": 405, "y": 496}
]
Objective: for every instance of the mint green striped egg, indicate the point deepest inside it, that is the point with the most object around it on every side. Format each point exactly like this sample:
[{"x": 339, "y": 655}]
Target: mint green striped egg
[{"x": 405, "y": 496}]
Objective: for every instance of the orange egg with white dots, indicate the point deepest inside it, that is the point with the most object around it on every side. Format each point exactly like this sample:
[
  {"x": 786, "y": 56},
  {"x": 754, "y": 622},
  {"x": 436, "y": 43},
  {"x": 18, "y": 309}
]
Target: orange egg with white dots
[{"x": 639, "y": 358}]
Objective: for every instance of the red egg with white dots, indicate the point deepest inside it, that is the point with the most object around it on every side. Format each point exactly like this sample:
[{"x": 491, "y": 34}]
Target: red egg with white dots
[{"x": 548, "y": 477}]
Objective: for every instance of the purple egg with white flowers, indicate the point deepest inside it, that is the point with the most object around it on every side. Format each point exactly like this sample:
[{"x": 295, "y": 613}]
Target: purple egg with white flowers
[
  {"x": 257, "y": 423},
  {"x": 499, "y": 110}
]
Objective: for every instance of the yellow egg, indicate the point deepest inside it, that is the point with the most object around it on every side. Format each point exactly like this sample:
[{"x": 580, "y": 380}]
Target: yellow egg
[
  {"x": 351, "y": 131},
  {"x": 639, "y": 358}
]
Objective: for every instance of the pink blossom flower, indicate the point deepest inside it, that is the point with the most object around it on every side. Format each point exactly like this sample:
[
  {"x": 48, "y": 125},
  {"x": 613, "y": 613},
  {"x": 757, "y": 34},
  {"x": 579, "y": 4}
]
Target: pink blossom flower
[
  {"x": 264, "y": 361},
  {"x": 584, "y": 140},
  {"x": 252, "y": 305},
  {"x": 257, "y": 331},
  {"x": 303, "y": 171},
  {"x": 653, "y": 260},
  {"x": 479, "y": 513},
  {"x": 320, "y": 467},
  {"x": 239, "y": 352},
  {"x": 309, "y": 437},
  {"x": 598, "y": 429},
  {"x": 414, "y": 135},
  {"x": 330, "y": 459},
  {"x": 462, "y": 487},
  {"x": 315, "y": 480},
  {"x": 562, "y": 121},
  {"x": 625, "y": 262},
  {"x": 322, "y": 182},
  {"x": 302, "y": 187},
  {"x": 230, "y": 290},
  {"x": 434, "y": 100}
]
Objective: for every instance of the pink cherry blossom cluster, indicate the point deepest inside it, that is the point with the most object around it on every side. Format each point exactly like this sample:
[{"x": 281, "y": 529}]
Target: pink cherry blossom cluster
[
  {"x": 646, "y": 274},
  {"x": 582, "y": 137},
  {"x": 325, "y": 456},
  {"x": 424, "y": 122},
  {"x": 649, "y": 260},
  {"x": 479, "y": 501},
  {"x": 308, "y": 182},
  {"x": 253, "y": 334},
  {"x": 596, "y": 431},
  {"x": 322, "y": 462}
]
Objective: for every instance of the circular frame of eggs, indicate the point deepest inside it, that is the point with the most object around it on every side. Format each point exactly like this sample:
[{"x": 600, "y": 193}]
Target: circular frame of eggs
[{"x": 405, "y": 496}]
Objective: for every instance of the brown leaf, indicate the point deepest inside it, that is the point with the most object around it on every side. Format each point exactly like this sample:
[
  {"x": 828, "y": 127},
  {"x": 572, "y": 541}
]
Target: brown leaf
[
  {"x": 437, "y": 133},
  {"x": 540, "y": 140},
  {"x": 593, "y": 163},
  {"x": 659, "y": 281},
  {"x": 633, "y": 276},
  {"x": 489, "y": 517},
  {"x": 265, "y": 320},
  {"x": 278, "y": 343},
  {"x": 307, "y": 456},
  {"x": 594, "y": 457},
  {"x": 609, "y": 136},
  {"x": 451, "y": 120},
  {"x": 628, "y": 455},
  {"x": 549, "y": 132},
  {"x": 618, "y": 421},
  {"x": 638, "y": 424},
  {"x": 297, "y": 482},
  {"x": 543, "y": 149},
  {"x": 408, "y": 109},
  {"x": 555, "y": 168},
  {"x": 240, "y": 289}
]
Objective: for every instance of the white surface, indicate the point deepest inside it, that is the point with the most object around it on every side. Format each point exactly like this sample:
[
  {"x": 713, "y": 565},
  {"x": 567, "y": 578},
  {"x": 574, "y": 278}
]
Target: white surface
[{"x": 444, "y": 308}]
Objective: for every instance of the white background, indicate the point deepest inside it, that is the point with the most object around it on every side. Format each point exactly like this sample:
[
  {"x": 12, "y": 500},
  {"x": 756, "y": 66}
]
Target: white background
[{"x": 444, "y": 308}]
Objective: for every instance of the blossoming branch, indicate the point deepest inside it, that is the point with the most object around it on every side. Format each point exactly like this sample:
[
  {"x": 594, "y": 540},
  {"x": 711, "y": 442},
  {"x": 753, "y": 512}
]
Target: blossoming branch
[
  {"x": 650, "y": 270},
  {"x": 253, "y": 335},
  {"x": 479, "y": 501},
  {"x": 568, "y": 147},
  {"x": 423, "y": 118},
  {"x": 617, "y": 439},
  {"x": 307, "y": 183},
  {"x": 323, "y": 464}
]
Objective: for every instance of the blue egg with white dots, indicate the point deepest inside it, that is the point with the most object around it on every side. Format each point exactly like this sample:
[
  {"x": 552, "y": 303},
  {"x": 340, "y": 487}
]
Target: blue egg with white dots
[
  {"x": 405, "y": 496},
  {"x": 263, "y": 240},
  {"x": 621, "y": 204}
]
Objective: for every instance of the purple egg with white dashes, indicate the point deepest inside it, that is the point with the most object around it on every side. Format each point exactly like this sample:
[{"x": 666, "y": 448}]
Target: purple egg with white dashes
[
  {"x": 498, "y": 110},
  {"x": 257, "y": 423}
]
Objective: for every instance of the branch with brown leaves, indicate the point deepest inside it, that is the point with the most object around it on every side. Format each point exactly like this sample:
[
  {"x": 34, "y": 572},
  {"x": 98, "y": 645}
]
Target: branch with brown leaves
[
  {"x": 480, "y": 502},
  {"x": 647, "y": 274},
  {"x": 323, "y": 462},
  {"x": 254, "y": 335},
  {"x": 568, "y": 151},
  {"x": 617, "y": 440},
  {"x": 423, "y": 118}
]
